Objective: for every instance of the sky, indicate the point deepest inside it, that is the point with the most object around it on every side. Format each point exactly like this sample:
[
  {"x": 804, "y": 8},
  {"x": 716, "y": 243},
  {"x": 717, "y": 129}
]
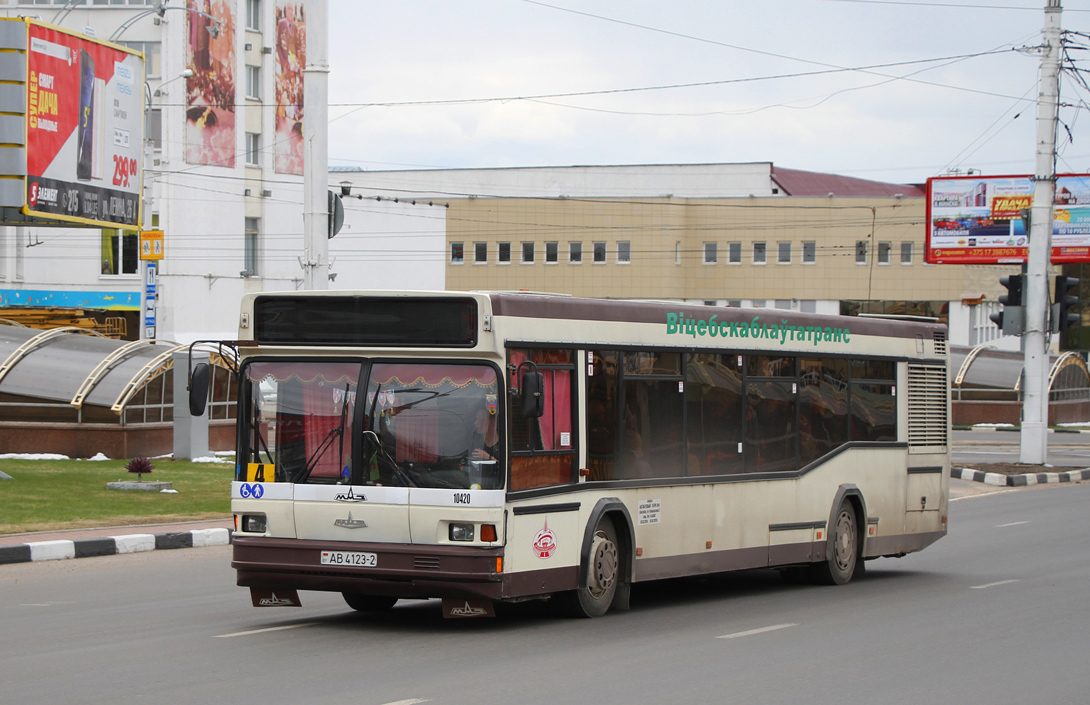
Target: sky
[{"x": 929, "y": 86}]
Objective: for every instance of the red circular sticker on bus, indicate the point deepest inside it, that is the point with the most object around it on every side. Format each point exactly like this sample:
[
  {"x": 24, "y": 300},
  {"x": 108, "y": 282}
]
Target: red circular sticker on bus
[{"x": 545, "y": 542}]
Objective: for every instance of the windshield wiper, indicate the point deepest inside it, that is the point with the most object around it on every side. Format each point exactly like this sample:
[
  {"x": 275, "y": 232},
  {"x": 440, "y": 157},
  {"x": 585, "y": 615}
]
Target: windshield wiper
[
  {"x": 335, "y": 432},
  {"x": 398, "y": 471}
]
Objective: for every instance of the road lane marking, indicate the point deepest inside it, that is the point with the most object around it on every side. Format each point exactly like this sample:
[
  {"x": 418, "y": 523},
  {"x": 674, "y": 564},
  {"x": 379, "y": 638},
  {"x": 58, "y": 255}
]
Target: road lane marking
[
  {"x": 411, "y": 701},
  {"x": 266, "y": 629},
  {"x": 988, "y": 585},
  {"x": 762, "y": 630},
  {"x": 1013, "y": 523}
]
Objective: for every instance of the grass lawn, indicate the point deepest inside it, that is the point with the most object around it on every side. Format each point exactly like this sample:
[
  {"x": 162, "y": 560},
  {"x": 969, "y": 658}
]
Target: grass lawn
[{"x": 71, "y": 494}]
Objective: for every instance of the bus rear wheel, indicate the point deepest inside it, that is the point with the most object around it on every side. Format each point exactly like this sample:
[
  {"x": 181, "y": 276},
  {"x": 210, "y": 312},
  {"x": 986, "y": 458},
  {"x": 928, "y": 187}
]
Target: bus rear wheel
[
  {"x": 840, "y": 563},
  {"x": 368, "y": 603},
  {"x": 603, "y": 575}
]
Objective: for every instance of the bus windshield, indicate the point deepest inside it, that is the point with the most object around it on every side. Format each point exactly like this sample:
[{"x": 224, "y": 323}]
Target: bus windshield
[{"x": 424, "y": 424}]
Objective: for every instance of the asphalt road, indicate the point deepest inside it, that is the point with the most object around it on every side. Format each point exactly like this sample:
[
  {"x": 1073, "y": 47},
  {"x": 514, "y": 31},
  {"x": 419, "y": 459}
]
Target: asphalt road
[{"x": 996, "y": 612}]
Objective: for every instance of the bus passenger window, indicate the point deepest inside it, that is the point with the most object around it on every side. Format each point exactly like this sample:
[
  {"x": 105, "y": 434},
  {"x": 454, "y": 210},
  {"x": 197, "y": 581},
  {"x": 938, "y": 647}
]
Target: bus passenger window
[
  {"x": 713, "y": 397},
  {"x": 823, "y": 407},
  {"x": 543, "y": 449},
  {"x": 602, "y": 414}
]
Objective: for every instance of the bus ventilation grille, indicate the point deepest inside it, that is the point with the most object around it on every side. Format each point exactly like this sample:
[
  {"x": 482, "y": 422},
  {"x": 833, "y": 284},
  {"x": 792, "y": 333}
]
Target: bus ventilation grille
[
  {"x": 928, "y": 405},
  {"x": 426, "y": 563},
  {"x": 940, "y": 343}
]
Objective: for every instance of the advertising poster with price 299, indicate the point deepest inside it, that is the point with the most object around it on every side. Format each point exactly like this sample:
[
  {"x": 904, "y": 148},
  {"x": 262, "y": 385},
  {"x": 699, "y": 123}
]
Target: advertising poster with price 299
[{"x": 85, "y": 128}]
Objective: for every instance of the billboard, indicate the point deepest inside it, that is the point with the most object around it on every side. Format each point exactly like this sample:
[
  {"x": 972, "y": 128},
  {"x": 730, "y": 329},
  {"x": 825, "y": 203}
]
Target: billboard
[
  {"x": 84, "y": 128},
  {"x": 210, "y": 91},
  {"x": 978, "y": 220},
  {"x": 291, "y": 58}
]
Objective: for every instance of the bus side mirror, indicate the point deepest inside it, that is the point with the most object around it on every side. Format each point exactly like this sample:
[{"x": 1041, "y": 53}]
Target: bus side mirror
[
  {"x": 198, "y": 389},
  {"x": 533, "y": 395}
]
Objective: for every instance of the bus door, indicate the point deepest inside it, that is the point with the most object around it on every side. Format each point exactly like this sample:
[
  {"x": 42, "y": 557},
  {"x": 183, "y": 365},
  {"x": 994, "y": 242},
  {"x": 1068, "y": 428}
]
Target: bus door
[{"x": 300, "y": 427}]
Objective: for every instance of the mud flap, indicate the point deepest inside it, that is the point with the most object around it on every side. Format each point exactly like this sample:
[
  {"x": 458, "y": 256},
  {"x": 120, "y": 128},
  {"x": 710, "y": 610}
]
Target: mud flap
[
  {"x": 280, "y": 598},
  {"x": 460, "y": 609}
]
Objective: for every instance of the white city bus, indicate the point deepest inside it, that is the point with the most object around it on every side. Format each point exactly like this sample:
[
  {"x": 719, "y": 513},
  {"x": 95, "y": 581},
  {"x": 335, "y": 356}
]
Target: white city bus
[{"x": 482, "y": 447}]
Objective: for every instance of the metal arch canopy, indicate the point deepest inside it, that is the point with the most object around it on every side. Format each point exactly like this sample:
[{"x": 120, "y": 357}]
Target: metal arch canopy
[
  {"x": 38, "y": 341},
  {"x": 108, "y": 363},
  {"x": 156, "y": 366}
]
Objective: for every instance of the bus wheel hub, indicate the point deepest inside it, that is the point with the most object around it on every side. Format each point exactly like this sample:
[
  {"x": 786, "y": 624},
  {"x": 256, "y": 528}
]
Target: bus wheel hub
[{"x": 604, "y": 564}]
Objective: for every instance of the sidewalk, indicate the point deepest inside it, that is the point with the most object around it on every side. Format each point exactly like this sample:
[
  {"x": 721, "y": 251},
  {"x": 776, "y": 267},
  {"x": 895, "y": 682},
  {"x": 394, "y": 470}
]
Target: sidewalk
[{"x": 84, "y": 543}]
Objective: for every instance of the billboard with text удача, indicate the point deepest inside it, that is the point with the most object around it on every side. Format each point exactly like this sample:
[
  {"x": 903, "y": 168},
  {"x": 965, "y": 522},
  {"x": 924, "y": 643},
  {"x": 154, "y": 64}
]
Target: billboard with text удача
[{"x": 978, "y": 219}]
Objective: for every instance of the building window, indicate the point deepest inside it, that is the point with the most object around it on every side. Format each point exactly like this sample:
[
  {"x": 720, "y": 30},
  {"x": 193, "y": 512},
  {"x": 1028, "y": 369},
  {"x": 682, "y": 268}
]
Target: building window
[
  {"x": 527, "y": 253},
  {"x": 624, "y": 252},
  {"x": 860, "y": 251},
  {"x": 809, "y": 252},
  {"x": 251, "y": 246},
  {"x": 758, "y": 253},
  {"x": 677, "y": 253},
  {"x": 883, "y": 252},
  {"x": 253, "y": 15},
  {"x": 734, "y": 253},
  {"x": 120, "y": 251},
  {"x": 152, "y": 56},
  {"x": 253, "y": 148},
  {"x": 783, "y": 255},
  {"x": 552, "y": 252},
  {"x": 711, "y": 253},
  {"x": 783, "y": 304},
  {"x": 575, "y": 252},
  {"x": 906, "y": 253},
  {"x": 599, "y": 253},
  {"x": 153, "y": 127},
  {"x": 457, "y": 252},
  {"x": 504, "y": 256},
  {"x": 480, "y": 253},
  {"x": 253, "y": 82}
]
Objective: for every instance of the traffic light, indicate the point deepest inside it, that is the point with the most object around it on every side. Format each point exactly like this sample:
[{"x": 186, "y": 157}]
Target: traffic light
[
  {"x": 1062, "y": 303},
  {"x": 1012, "y": 319}
]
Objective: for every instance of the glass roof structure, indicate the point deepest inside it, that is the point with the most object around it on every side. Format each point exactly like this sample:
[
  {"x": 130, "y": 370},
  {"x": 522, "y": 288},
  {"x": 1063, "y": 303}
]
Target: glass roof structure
[{"x": 72, "y": 374}]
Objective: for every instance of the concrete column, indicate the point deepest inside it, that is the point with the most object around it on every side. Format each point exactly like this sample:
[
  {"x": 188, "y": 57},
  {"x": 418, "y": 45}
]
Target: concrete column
[{"x": 190, "y": 432}]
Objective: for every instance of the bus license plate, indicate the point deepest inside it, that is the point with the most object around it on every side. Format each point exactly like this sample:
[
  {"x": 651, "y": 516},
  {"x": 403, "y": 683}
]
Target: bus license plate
[{"x": 353, "y": 558}]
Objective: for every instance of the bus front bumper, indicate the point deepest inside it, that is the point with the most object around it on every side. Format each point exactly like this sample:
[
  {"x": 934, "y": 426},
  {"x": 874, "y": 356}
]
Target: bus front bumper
[{"x": 401, "y": 570}]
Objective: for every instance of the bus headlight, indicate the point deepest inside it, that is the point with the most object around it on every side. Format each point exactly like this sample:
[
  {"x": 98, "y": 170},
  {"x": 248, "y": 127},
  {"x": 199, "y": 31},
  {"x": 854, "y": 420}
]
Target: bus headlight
[
  {"x": 254, "y": 523},
  {"x": 460, "y": 532}
]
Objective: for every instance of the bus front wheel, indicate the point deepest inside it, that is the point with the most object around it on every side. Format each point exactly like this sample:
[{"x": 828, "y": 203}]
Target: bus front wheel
[
  {"x": 368, "y": 603},
  {"x": 603, "y": 574},
  {"x": 840, "y": 563}
]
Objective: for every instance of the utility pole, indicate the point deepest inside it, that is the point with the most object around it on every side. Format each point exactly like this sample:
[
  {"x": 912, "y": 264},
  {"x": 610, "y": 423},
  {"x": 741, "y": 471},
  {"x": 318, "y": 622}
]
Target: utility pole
[
  {"x": 1034, "y": 435},
  {"x": 315, "y": 259}
]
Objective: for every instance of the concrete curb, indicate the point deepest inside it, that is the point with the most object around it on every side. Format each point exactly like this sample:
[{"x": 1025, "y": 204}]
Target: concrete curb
[
  {"x": 1038, "y": 478},
  {"x": 131, "y": 543},
  {"x": 1015, "y": 429}
]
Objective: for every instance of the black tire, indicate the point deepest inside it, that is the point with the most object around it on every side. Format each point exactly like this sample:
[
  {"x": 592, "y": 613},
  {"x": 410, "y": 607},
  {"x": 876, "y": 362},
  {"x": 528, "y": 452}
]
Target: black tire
[
  {"x": 368, "y": 603},
  {"x": 843, "y": 557},
  {"x": 603, "y": 575}
]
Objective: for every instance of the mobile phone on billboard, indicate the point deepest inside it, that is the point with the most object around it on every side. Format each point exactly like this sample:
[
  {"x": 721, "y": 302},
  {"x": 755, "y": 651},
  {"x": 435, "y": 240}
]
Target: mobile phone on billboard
[{"x": 86, "y": 133}]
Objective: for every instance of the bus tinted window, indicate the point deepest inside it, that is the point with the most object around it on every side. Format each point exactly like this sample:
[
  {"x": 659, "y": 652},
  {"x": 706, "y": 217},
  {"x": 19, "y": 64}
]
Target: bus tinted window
[
  {"x": 351, "y": 320},
  {"x": 652, "y": 443},
  {"x": 770, "y": 426},
  {"x": 873, "y": 369},
  {"x": 652, "y": 363},
  {"x": 770, "y": 366},
  {"x": 823, "y": 407},
  {"x": 874, "y": 412},
  {"x": 713, "y": 397},
  {"x": 602, "y": 413}
]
